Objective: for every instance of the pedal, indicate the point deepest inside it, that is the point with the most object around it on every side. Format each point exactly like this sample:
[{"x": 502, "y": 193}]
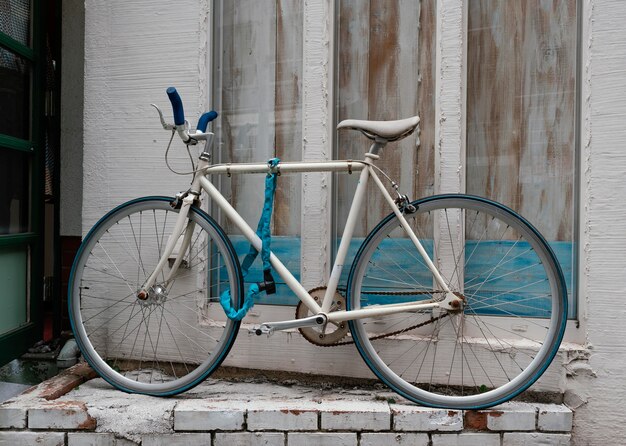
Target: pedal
[{"x": 261, "y": 329}]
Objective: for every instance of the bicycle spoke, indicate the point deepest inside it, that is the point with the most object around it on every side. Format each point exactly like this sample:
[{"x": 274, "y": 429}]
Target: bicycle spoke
[
  {"x": 170, "y": 338},
  {"x": 493, "y": 261}
]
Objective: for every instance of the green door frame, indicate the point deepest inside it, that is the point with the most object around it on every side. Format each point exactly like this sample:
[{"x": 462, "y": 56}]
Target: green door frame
[{"x": 16, "y": 342}]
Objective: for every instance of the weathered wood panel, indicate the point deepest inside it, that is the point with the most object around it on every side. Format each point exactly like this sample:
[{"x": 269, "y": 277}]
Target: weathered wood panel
[
  {"x": 258, "y": 86},
  {"x": 385, "y": 66},
  {"x": 288, "y": 113},
  {"x": 261, "y": 45},
  {"x": 521, "y": 109},
  {"x": 248, "y": 47}
]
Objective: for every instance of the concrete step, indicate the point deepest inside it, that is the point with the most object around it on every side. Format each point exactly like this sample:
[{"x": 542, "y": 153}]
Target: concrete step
[{"x": 255, "y": 412}]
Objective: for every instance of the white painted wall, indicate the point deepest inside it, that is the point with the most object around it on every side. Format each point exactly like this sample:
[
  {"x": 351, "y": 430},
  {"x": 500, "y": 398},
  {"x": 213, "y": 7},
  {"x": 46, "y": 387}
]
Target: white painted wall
[
  {"x": 317, "y": 131},
  {"x": 134, "y": 50},
  {"x": 598, "y": 387}
]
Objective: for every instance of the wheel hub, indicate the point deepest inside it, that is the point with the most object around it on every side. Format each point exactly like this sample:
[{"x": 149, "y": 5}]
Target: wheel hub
[{"x": 156, "y": 295}]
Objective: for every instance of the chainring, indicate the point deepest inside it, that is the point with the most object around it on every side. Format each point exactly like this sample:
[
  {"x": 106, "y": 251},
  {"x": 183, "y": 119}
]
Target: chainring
[{"x": 331, "y": 333}]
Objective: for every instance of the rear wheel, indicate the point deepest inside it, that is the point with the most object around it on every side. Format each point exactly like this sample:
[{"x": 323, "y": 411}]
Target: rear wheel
[
  {"x": 173, "y": 339},
  {"x": 513, "y": 315}
]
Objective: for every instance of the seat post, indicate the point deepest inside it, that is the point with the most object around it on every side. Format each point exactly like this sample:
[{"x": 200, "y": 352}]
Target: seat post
[{"x": 378, "y": 145}]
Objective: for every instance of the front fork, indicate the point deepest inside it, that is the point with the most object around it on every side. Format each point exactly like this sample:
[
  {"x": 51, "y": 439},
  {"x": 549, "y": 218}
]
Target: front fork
[{"x": 182, "y": 224}]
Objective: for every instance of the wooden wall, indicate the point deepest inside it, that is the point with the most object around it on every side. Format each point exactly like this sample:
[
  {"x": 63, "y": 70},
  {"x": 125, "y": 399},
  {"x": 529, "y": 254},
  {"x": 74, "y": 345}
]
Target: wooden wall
[
  {"x": 259, "y": 89},
  {"x": 385, "y": 71},
  {"x": 521, "y": 109},
  {"x": 521, "y": 72}
]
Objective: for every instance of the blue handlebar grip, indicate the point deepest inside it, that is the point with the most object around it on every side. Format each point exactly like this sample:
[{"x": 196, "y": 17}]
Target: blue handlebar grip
[
  {"x": 177, "y": 106},
  {"x": 205, "y": 119}
]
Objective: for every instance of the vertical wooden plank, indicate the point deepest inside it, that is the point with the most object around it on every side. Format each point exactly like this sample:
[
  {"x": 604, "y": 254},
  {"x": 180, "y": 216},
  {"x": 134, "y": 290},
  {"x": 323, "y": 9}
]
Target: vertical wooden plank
[
  {"x": 317, "y": 128},
  {"x": 249, "y": 46},
  {"x": 450, "y": 124},
  {"x": 425, "y": 151},
  {"x": 288, "y": 114},
  {"x": 450, "y": 97},
  {"x": 393, "y": 84},
  {"x": 262, "y": 118},
  {"x": 549, "y": 102},
  {"x": 521, "y": 108},
  {"x": 379, "y": 78},
  {"x": 352, "y": 90},
  {"x": 383, "y": 92}
]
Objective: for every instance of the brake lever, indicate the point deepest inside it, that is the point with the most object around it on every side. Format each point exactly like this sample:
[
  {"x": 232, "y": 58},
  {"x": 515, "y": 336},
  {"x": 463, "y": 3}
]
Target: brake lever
[{"x": 165, "y": 125}]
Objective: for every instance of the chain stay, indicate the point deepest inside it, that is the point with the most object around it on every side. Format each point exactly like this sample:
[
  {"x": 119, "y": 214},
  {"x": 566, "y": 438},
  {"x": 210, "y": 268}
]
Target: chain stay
[{"x": 393, "y": 333}]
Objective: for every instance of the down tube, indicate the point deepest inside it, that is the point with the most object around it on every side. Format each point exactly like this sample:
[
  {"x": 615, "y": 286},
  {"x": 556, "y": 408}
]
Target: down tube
[{"x": 254, "y": 239}]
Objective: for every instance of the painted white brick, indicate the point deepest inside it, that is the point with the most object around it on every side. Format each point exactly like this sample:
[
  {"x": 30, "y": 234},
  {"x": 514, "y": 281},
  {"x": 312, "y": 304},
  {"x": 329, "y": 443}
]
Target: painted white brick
[
  {"x": 466, "y": 439},
  {"x": 176, "y": 440},
  {"x": 90, "y": 439},
  {"x": 536, "y": 439},
  {"x": 249, "y": 439},
  {"x": 12, "y": 417},
  {"x": 125, "y": 442},
  {"x": 412, "y": 418},
  {"x": 355, "y": 416},
  {"x": 555, "y": 418},
  {"x": 282, "y": 416},
  {"x": 198, "y": 416},
  {"x": 32, "y": 438},
  {"x": 512, "y": 417},
  {"x": 60, "y": 417},
  {"x": 322, "y": 439},
  {"x": 394, "y": 439}
]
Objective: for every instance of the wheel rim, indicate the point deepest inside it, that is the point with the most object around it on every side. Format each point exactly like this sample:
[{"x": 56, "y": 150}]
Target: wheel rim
[
  {"x": 505, "y": 336},
  {"x": 173, "y": 339}
]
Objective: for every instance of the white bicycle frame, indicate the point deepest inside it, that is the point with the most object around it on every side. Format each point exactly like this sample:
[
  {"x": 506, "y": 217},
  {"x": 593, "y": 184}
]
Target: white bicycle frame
[{"x": 450, "y": 302}]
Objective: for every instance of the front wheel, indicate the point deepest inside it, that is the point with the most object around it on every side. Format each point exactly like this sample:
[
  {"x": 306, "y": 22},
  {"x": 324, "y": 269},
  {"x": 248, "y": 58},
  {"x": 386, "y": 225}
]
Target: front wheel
[
  {"x": 173, "y": 339},
  {"x": 511, "y": 321}
]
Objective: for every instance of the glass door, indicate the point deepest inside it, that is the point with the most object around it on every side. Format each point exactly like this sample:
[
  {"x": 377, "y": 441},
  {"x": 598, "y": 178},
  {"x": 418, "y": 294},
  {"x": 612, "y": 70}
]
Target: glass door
[{"x": 21, "y": 102}]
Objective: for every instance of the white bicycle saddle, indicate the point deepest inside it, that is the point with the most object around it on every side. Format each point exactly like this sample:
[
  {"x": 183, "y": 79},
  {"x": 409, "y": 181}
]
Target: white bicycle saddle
[{"x": 387, "y": 130}]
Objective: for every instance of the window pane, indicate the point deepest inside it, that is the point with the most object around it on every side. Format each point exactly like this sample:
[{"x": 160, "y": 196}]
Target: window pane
[
  {"x": 13, "y": 276},
  {"x": 15, "y": 20},
  {"x": 14, "y": 191},
  {"x": 521, "y": 104},
  {"x": 385, "y": 65},
  {"x": 15, "y": 72},
  {"x": 257, "y": 90}
]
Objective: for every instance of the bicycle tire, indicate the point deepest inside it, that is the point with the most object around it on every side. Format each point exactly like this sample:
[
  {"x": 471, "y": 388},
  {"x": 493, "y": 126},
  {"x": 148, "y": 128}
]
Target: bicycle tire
[
  {"x": 173, "y": 340},
  {"x": 513, "y": 318}
]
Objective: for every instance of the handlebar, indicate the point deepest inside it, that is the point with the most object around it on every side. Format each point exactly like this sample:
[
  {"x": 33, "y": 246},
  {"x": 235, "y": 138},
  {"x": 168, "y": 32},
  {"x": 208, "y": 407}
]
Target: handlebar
[
  {"x": 204, "y": 120},
  {"x": 179, "y": 116},
  {"x": 177, "y": 106}
]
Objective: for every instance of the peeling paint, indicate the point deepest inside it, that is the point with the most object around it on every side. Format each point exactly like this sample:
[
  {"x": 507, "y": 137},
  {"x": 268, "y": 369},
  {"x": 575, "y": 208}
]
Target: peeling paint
[
  {"x": 595, "y": 385},
  {"x": 450, "y": 97},
  {"x": 317, "y": 57}
]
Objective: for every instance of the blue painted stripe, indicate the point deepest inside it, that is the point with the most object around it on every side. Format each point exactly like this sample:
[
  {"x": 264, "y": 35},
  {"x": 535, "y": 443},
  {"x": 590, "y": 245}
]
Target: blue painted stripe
[
  {"x": 287, "y": 249},
  {"x": 517, "y": 272},
  {"x": 540, "y": 370}
]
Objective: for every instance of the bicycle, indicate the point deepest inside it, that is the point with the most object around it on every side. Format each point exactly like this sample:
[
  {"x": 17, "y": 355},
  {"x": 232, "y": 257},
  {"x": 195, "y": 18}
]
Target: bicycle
[{"x": 452, "y": 301}]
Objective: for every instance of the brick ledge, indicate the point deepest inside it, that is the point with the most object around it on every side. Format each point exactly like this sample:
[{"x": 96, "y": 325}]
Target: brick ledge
[{"x": 219, "y": 412}]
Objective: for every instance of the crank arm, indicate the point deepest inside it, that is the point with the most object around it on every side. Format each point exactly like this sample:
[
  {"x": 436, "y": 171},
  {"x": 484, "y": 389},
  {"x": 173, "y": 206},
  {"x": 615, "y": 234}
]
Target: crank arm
[{"x": 311, "y": 321}]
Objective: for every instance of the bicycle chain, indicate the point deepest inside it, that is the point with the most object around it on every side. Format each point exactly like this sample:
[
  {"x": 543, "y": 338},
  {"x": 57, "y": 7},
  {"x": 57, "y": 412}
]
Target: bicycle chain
[{"x": 393, "y": 333}]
